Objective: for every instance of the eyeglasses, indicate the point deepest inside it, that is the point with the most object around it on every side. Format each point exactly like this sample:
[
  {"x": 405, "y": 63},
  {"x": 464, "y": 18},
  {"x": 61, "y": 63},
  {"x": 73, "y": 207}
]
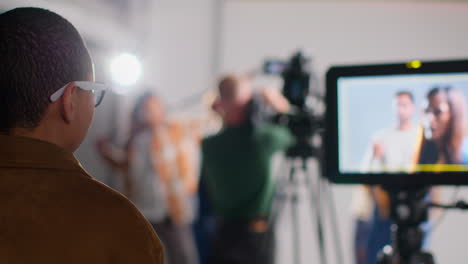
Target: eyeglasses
[{"x": 98, "y": 89}]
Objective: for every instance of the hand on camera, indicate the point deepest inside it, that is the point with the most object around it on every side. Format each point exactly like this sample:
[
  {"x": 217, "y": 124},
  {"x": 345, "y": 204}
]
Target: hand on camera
[{"x": 275, "y": 99}]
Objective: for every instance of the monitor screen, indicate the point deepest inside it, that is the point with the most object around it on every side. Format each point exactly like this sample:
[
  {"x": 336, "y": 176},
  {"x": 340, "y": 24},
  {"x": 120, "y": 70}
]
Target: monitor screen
[{"x": 386, "y": 125}]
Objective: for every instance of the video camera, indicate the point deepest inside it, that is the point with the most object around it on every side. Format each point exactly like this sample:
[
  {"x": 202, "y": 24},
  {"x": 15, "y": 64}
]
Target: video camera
[
  {"x": 366, "y": 143},
  {"x": 296, "y": 77},
  {"x": 303, "y": 121}
]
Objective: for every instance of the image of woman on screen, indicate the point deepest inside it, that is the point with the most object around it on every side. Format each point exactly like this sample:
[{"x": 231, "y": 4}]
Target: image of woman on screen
[{"x": 444, "y": 138}]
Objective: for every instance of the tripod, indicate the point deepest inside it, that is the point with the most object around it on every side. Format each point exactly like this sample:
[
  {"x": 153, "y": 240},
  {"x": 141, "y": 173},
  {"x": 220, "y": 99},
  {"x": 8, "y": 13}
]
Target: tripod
[
  {"x": 297, "y": 165},
  {"x": 408, "y": 209}
]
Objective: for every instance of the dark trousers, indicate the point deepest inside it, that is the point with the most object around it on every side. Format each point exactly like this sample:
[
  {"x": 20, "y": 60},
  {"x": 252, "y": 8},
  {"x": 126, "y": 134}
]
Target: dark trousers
[
  {"x": 178, "y": 241},
  {"x": 237, "y": 242}
]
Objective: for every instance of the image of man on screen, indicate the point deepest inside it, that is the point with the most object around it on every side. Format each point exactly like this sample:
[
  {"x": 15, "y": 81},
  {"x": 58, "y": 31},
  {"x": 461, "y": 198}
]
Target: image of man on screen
[{"x": 393, "y": 149}]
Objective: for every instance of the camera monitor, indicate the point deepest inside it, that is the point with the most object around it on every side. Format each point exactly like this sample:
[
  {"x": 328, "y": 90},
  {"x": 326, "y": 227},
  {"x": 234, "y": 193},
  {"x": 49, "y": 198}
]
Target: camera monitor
[{"x": 400, "y": 123}]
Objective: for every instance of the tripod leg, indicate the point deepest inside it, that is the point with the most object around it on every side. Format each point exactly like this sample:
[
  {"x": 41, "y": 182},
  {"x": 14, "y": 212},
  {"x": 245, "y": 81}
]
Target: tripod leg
[
  {"x": 316, "y": 207},
  {"x": 332, "y": 213},
  {"x": 280, "y": 198},
  {"x": 279, "y": 201},
  {"x": 295, "y": 215}
]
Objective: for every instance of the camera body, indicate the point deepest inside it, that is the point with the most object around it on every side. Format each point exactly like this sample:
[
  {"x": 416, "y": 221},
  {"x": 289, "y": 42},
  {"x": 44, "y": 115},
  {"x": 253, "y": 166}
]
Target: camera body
[
  {"x": 302, "y": 121},
  {"x": 296, "y": 78}
]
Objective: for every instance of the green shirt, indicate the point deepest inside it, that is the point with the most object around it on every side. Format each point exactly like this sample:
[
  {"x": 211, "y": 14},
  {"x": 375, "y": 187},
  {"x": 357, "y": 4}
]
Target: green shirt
[{"x": 237, "y": 169}]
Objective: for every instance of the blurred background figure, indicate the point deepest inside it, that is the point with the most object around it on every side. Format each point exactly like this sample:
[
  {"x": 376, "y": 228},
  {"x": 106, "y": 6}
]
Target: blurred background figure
[
  {"x": 237, "y": 174},
  {"x": 205, "y": 223},
  {"x": 363, "y": 207},
  {"x": 159, "y": 173}
]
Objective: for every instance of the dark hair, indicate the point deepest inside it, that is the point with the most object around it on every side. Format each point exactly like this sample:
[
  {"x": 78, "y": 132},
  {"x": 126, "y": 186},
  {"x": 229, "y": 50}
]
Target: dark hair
[
  {"x": 228, "y": 86},
  {"x": 451, "y": 149},
  {"x": 40, "y": 52},
  {"x": 407, "y": 93}
]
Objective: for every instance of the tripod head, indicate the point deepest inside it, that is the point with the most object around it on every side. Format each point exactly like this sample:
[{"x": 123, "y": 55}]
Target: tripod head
[
  {"x": 409, "y": 206},
  {"x": 305, "y": 126}
]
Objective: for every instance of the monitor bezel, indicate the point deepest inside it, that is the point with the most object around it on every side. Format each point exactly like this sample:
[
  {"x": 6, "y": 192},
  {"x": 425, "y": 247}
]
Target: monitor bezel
[{"x": 331, "y": 148}]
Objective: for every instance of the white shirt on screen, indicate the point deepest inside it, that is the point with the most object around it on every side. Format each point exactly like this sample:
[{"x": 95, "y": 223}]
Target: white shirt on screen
[{"x": 398, "y": 147}]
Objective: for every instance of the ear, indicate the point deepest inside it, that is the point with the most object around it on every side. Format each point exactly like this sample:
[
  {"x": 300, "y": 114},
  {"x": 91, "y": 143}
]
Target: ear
[
  {"x": 216, "y": 106},
  {"x": 69, "y": 106}
]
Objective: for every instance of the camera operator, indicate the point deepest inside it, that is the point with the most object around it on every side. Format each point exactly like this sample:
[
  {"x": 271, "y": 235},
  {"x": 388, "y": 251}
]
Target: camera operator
[{"x": 236, "y": 170}]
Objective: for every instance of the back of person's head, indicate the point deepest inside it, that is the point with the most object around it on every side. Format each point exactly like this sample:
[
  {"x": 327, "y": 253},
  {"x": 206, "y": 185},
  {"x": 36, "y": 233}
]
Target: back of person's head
[
  {"x": 234, "y": 87},
  {"x": 235, "y": 93},
  {"x": 41, "y": 52}
]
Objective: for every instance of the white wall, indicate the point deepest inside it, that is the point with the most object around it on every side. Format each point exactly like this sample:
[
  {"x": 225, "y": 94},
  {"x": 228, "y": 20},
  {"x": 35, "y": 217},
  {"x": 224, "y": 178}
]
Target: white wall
[
  {"x": 336, "y": 33},
  {"x": 180, "y": 52},
  {"x": 350, "y": 32}
]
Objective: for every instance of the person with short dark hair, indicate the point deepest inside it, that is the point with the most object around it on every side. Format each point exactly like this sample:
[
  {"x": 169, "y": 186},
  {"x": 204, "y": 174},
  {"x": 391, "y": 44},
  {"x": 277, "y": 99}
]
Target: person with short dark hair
[
  {"x": 52, "y": 210},
  {"x": 236, "y": 170}
]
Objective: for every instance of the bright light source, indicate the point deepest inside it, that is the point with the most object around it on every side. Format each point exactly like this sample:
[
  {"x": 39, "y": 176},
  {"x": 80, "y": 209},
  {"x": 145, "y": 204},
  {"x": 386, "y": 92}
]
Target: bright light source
[{"x": 125, "y": 70}]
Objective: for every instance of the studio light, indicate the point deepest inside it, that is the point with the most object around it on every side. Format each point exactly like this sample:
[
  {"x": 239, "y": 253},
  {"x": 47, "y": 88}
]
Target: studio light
[{"x": 125, "y": 71}]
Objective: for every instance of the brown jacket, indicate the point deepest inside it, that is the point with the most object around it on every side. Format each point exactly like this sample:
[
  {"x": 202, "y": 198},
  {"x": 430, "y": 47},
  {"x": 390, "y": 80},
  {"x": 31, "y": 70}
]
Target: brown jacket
[{"x": 52, "y": 211}]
